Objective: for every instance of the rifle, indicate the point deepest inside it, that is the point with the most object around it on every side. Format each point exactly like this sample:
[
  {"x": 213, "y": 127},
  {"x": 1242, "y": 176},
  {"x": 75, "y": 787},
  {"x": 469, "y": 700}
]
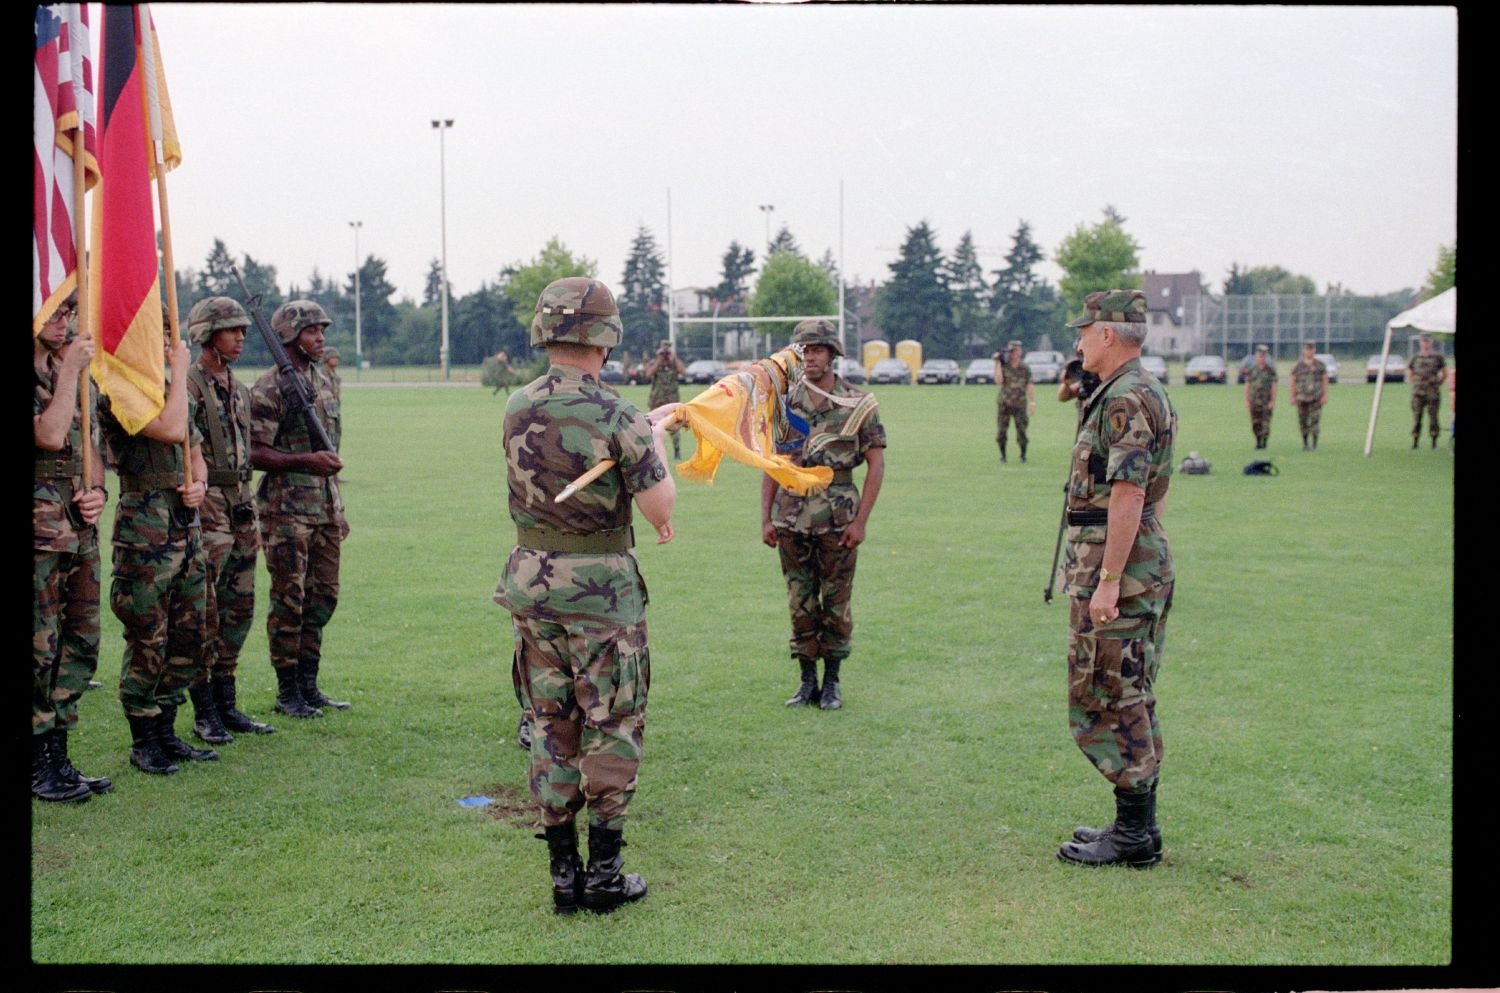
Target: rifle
[
  {"x": 1062, "y": 526},
  {"x": 299, "y": 395}
]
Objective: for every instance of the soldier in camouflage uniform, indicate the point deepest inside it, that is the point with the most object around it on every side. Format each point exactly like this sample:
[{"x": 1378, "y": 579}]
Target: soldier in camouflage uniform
[
  {"x": 1260, "y": 395},
  {"x": 331, "y": 369},
  {"x": 1427, "y": 371},
  {"x": 663, "y": 371},
  {"x": 818, "y": 535},
  {"x": 302, "y": 522},
  {"x": 65, "y": 543},
  {"x": 230, "y": 540},
  {"x": 157, "y": 584},
  {"x": 574, "y": 591},
  {"x": 1016, "y": 399},
  {"x": 1118, "y": 573},
  {"x": 1310, "y": 390}
]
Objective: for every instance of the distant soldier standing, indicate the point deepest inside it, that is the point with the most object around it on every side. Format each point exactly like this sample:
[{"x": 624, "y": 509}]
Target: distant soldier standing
[
  {"x": 1119, "y": 575},
  {"x": 65, "y": 543},
  {"x": 574, "y": 591},
  {"x": 1310, "y": 390},
  {"x": 1260, "y": 395},
  {"x": 1427, "y": 371},
  {"x": 331, "y": 368},
  {"x": 302, "y": 522},
  {"x": 157, "y": 585},
  {"x": 818, "y": 535},
  {"x": 663, "y": 371},
  {"x": 230, "y": 539},
  {"x": 1016, "y": 399}
]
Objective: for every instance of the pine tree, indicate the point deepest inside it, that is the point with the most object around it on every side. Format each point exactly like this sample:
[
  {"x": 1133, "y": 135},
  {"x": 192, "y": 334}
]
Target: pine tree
[
  {"x": 643, "y": 293},
  {"x": 737, "y": 266},
  {"x": 914, "y": 303},
  {"x": 965, "y": 278}
]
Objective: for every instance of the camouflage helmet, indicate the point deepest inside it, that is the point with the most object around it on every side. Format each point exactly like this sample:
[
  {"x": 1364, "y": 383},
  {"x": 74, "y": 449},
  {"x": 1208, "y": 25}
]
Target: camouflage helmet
[
  {"x": 817, "y": 331},
  {"x": 294, "y": 315},
  {"x": 1120, "y": 306},
  {"x": 215, "y": 314},
  {"x": 579, "y": 310}
]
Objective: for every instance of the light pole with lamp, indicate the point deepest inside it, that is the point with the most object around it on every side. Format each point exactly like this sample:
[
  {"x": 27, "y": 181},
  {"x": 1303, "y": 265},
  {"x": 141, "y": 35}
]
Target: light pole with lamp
[
  {"x": 766, "y": 209},
  {"x": 442, "y": 126},
  {"x": 359, "y": 358}
]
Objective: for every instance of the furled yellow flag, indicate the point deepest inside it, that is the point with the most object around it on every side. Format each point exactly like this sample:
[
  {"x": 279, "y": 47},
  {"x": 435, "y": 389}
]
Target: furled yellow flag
[{"x": 742, "y": 416}]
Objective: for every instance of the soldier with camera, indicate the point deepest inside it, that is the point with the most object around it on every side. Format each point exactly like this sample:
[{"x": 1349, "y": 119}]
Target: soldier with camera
[{"x": 662, "y": 372}]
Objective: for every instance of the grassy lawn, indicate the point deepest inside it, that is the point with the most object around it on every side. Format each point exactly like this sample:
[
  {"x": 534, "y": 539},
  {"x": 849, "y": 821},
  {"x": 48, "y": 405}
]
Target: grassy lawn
[{"x": 1306, "y": 697}]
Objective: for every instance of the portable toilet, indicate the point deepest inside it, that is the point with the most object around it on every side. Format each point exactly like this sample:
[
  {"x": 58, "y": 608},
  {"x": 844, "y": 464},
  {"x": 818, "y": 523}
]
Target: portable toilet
[
  {"x": 909, "y": 350},
  {"x": 873, "y": 351}
]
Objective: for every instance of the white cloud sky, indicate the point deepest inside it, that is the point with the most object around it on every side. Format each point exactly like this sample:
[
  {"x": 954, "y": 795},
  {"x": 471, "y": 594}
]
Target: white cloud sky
[{"x": 1319, "y": 139}]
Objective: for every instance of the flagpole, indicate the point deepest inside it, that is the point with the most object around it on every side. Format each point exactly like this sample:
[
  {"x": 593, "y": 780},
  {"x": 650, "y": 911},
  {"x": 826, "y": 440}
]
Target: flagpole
[
  {"x": 169, "y": 277},
  {"x": 80, "y": 266}
]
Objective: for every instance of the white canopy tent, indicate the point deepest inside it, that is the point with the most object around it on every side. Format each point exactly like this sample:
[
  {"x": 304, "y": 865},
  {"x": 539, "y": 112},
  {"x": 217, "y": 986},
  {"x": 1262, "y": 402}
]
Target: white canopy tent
[{"x": 1438, "y": 315}]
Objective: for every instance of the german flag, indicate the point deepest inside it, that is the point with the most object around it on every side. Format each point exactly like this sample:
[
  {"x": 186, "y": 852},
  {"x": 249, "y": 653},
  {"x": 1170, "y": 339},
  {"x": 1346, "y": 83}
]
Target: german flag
[{"x": 124, "y": 286}]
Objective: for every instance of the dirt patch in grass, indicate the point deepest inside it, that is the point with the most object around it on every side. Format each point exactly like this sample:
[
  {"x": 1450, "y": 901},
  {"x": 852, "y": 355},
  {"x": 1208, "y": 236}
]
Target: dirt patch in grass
[{"x": 511, "y": 803}]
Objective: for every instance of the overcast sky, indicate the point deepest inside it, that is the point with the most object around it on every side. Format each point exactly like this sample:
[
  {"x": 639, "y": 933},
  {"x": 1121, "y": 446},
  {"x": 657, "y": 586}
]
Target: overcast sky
[{"x": 1318, "y": 139}]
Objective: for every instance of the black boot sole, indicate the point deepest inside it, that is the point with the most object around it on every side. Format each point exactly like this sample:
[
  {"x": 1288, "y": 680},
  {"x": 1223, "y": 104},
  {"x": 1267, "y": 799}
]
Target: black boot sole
[
  {"x": 171, "y": 769},
  {"x": 1138, "y": 862},
  {"x": 211, "y": 737}
]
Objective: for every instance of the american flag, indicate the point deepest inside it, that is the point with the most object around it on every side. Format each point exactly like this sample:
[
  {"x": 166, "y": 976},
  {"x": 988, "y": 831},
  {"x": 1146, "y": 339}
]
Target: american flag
[{"x": 63, "y": 101}]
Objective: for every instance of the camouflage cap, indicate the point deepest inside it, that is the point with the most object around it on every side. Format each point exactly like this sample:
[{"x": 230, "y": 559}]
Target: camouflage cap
[
  {"x": 1309, "y": 344},
  {"x": 817, "y": 331},
  {"x": 577, "y": 309},
  {"x": 1262, "y": 348},
  {"x": 1121, "y": 306},
  {"x": 213, "y": 314},
  {"x": 1013, "y": 343},
  {"x": 330, "y": 353},
  {"x": 294, "y": 315},
  {"x": 664, "y": 343}
]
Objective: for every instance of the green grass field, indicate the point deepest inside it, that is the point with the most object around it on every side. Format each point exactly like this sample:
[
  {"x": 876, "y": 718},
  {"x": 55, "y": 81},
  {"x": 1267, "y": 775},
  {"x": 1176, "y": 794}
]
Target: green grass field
[{"x": 1306, "y": 696}]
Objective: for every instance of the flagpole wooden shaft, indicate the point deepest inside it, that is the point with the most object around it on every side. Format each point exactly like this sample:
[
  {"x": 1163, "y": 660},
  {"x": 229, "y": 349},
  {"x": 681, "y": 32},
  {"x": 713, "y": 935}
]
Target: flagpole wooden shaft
[
  {"x": 169, "y": 277},
  {"x": 603, "y": 466},
  {"x": 81, "y": 291}
]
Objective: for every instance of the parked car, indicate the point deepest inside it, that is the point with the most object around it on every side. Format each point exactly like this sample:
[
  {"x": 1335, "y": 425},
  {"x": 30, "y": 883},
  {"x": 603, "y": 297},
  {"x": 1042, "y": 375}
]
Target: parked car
[
  {"x": 890, "y": 371},
  {"x": 1205, "y": 369},
  {"x": 980, "y": 371},
  {"x": 849, "y": 370},
  {"x": 1046, "y": 367},
  {"x": 1395, "y": 368},
  {"x": 940, "y": 371},
  {"x": 636, "y": 373},
  {"x": 1156, "y": 366},
  {"x": 613, "y": 372},
  {"x": 1331, "y": 364},
  {"x": 705, "y": 371}
]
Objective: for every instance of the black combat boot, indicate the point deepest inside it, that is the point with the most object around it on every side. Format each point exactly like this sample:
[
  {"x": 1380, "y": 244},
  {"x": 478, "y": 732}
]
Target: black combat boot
[
  {"x": 1002, "y": 454},
  {"x": 64, "y": 765},
  {"x": 307, "y": 676},
  {"x": 234, "y": 720},
  {"x": 1129, "y": 843},
  {"x": 1315, "y": 440},
  {"x": 46, "y": 783},
  {"x": 289, "y": 695},
  {"x": 605, "y": 887},
  {"x": 1023, "y": 454},
  {"x": 174, "y": 747},
  {"x": 207, "y": 724},
  {"x": 1088, "y": 835},
  {"x": 523, "y": 732},
  {"x": 1415, "y": 438},
  {"x": 808, "y": 692},
  {"x": 831, "y": 700},
  {"x": 567, "y": 867},
  {"x": 1304, "y": 443},
  {"x": 145, "y": 751}
]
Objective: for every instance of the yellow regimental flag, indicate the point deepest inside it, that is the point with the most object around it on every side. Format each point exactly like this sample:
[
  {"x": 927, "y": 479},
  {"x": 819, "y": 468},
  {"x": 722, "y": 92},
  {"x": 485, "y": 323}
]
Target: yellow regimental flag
[{"x": 741, "y": 416}]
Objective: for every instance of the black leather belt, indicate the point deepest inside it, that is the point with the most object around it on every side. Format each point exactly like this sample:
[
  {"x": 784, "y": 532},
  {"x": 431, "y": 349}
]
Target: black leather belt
[{"x": 1080, "y": 518}]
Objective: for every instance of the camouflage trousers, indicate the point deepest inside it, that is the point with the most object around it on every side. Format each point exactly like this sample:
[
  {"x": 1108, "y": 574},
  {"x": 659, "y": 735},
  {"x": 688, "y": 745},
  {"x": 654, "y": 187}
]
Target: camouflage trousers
[
  {"x": 303, "y": 560},
  {"x": 65, "y": 638},
  {"x": 820, "y": 592},
  {"x": 159, "y": 593},
  {"x": 1431, "y": 404},
  {"x": 587, "y": 687},
  {"x": 1309, "y": 413},
  {"x": 1002, "y": 425},
  {"x": 1260, "y": 420},
  {"x": 230, "y": 580},
  {"x": 1112, "y": 672}
]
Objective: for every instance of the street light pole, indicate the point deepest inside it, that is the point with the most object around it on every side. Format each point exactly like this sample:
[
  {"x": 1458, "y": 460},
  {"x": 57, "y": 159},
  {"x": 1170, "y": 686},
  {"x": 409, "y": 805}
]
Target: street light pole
[
  {"x": 766, "y": 209},
  {"x": 442, "y": 127},
  {"x": 359, "y": 359}
]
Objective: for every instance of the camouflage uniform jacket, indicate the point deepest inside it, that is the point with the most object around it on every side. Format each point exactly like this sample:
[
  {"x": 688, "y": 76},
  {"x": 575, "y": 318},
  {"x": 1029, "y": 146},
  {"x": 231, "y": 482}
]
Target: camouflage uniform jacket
[
  {"x": 1307, "y": 380},
  {"x": 223, "y": 420},
  {"x": 1013, "y": 383},
  {"x": 557, "y": 427},
  {"x": 299, "y": 496},
  {"x": 1126, "y": 436},
  {"x": 664, "y": 384},
  {"x": 58, "y": 474},
  {"x": 1260, "y": 381},
  {"x": 150, "y": 472},
  {"x": 828, "y": 443},
  {"x": 1425, "y": 374}
]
